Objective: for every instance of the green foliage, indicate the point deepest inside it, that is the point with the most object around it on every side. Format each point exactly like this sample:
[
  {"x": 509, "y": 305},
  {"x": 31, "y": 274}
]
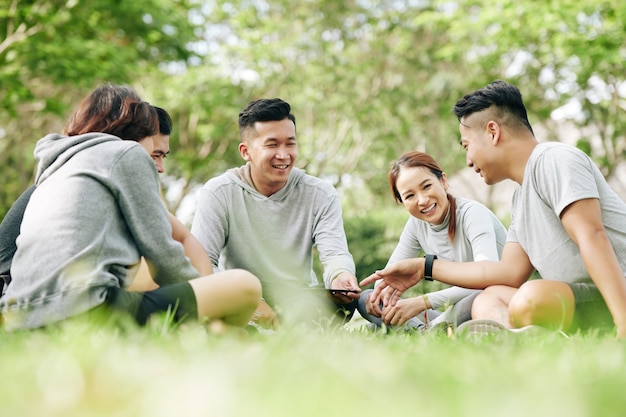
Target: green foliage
[
  {"x": 53, "y": 52},
  {"x": 370, "y": 83},
  {"x": 558, "y": 52},
  {"x": 204, "y": 108},
  {"x": 367, "y": 81},
  {"x": 79, "y": 43}
]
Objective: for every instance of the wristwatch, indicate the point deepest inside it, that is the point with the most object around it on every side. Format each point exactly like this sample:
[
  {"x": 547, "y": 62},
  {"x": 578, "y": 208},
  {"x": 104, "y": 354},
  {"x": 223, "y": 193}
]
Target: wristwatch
[{"x": 428, "y": 267}]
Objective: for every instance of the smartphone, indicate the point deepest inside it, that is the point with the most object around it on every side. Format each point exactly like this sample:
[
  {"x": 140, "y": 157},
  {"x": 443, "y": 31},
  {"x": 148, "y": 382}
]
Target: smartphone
[{"x": 340, "y": 292}]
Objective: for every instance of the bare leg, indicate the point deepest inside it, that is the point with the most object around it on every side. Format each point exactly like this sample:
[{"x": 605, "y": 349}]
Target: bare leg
[
  {"x": 231, "y": 296},
  {"x": 493, "y": 304},
  {"x": 545, "y": 303},
  {"x": 143, "y": 281}
]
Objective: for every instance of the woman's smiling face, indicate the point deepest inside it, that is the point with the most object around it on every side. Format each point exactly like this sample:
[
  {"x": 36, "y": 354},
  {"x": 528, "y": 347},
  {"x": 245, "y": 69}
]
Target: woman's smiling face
[{"x": 423, "y": 194}]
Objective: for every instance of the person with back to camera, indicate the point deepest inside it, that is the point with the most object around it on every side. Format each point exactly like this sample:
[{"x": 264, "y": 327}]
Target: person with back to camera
[
  {"x": 266, "y": 216},
  {"x": 449, "y": 227},
  {"x": 94, "y": 213},
  {"x": 158, "y": 148},
  {"x": 566, "y": 223}
]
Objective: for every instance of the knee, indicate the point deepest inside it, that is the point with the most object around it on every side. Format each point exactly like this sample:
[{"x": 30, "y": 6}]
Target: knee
[
  {"x": 484, "y": 302},
  {"x": 542, "y": 302},
  {"x": 249, "y": 285},
  {"x": 532, "y": 303},
  {"x": 523, "y": 305}
]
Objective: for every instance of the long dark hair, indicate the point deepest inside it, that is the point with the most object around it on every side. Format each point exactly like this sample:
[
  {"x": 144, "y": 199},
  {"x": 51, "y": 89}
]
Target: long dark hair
[
  {"x": 117, "y": 110},
  {"x": 418, "y": 159}
]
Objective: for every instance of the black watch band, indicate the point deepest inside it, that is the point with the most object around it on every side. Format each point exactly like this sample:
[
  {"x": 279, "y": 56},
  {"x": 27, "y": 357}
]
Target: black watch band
[{"x": 428, "y": 267}]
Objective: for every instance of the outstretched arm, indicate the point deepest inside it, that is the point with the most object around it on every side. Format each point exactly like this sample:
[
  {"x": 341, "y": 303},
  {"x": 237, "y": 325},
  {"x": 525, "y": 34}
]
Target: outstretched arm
[
  {"x": 399, "y": 277},
  {"x": 513, "y": 270}
]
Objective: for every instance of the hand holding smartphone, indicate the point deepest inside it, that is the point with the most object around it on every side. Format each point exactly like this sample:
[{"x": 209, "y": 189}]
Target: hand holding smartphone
[{"x": 335, "y": 292}]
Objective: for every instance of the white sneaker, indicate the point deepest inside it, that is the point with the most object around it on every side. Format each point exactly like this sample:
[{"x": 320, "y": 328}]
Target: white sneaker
[
  {"x": 480, "y": 328},
  {"x": 484, "y": 327}
]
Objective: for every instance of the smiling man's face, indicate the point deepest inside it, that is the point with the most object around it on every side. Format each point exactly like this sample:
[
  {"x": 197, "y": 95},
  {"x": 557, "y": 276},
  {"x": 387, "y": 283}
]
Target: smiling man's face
[
  {"x": 479, "y": 146},
  {"x": 271, "y": 149}
]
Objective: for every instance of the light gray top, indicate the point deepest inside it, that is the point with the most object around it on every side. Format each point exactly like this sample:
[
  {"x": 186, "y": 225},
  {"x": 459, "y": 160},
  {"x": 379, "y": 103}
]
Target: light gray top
[
  {"x": 273, "y": 237},
  {"x": 479, "y": 236}
]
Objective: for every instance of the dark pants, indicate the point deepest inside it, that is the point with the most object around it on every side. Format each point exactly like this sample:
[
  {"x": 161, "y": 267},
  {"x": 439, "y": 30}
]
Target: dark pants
[{"x": 178, "y": 299}]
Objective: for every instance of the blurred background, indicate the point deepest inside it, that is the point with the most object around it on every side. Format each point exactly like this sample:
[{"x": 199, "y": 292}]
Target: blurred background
[{"x": 367, "y": 81}]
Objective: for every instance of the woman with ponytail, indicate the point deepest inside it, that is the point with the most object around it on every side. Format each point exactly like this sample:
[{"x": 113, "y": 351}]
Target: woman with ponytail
[{"x": 441, "y": 226}]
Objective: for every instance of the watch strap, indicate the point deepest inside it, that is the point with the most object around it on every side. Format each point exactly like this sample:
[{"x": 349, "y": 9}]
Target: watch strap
[{"x": 428, "y": 267}]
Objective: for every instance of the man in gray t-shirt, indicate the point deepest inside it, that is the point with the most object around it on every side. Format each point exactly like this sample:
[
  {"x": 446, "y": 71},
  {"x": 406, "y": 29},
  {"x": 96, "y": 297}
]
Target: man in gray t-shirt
[{"x": 566, "y": 223}]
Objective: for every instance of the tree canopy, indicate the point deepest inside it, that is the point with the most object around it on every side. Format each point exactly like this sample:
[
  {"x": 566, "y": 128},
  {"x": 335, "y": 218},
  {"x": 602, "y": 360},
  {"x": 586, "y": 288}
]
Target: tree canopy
[{"x": 367, "y": 81}]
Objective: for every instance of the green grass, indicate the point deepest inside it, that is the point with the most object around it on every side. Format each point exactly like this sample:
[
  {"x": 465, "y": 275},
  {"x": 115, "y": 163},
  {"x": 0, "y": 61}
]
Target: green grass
[{"x": 87, "y": 368}]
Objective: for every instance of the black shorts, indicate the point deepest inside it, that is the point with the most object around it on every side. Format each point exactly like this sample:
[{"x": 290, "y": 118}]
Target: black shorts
[
  {"x": 178, "y": 299},
  {"x": 591, "y": 309}
]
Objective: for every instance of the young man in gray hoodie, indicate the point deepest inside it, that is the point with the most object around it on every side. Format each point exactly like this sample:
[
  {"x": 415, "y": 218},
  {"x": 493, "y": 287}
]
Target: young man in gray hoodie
[{"x": 266, "y": 217}]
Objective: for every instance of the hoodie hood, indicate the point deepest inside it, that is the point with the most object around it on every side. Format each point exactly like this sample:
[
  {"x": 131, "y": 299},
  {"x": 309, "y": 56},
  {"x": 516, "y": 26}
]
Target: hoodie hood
[
  {"x": 241, "y": 176},
  {"x": 54, "y": 150}
]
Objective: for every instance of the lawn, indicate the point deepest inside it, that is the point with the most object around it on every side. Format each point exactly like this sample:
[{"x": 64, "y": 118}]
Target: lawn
[{"x": 91, "y": 368}]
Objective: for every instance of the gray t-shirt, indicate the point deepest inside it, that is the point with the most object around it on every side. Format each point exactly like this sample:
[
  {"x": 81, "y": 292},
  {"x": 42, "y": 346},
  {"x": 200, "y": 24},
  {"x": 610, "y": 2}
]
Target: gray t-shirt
[{"x": 556, "y": 176}]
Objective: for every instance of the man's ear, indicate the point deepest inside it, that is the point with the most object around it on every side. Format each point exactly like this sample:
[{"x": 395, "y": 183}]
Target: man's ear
[
  {"x": 243, "y": 151},
  {"x": 494, "y": 130}
]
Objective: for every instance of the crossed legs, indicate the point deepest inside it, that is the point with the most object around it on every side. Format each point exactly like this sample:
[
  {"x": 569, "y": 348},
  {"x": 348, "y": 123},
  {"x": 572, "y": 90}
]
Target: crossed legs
[
  {"x": 545, "y": 303},
  {"x": 231, "y": 296}
]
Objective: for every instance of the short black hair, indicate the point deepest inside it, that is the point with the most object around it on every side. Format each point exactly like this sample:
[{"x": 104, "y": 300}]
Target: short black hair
[
  {"x": 264, "y": 110},
  {"x": 165, "y": 121},
  {"x": 506, "y": 97}
]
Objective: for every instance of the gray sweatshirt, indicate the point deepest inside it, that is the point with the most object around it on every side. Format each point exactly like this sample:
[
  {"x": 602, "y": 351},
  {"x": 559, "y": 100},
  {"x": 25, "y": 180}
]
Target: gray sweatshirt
[
  {"x": 96, "y": 210},
  {"x": 273, "y": 237}
]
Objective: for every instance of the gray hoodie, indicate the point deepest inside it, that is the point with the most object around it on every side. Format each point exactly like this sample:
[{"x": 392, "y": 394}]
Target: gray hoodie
[
  {"x": 96, "y": 210},
  {"x": 273, "y": 237}
]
